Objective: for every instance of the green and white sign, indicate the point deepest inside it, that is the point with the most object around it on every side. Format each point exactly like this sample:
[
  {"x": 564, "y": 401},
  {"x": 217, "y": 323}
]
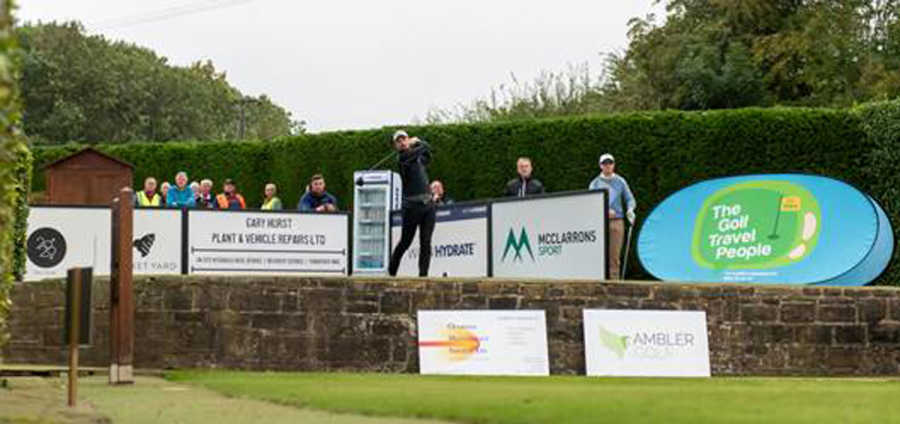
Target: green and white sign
[
  {"x": 756, "y": 225},
  {"x": 554, "y": 236}
]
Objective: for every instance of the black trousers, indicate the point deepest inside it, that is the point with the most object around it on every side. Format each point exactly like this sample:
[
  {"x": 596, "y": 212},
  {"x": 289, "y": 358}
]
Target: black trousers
[{"x": 415, "y": 216}]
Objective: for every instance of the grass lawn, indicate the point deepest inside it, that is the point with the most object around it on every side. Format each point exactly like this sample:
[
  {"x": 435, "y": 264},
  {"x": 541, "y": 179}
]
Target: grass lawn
[{"x": 568, "y": 399}]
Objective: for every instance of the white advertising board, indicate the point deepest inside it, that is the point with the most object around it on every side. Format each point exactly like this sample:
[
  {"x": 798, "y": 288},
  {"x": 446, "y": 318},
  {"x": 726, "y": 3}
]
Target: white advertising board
[
  {"x": 59, "y": 238},
  {"x": 157, "y": 241},
  {"x": 483, "y": 342},
  {"x": 459, "y": 243},
  {"x": 256, "y": 242},
  {"x": 555, "y": 236},
  {"x": 646, "y": 343}
]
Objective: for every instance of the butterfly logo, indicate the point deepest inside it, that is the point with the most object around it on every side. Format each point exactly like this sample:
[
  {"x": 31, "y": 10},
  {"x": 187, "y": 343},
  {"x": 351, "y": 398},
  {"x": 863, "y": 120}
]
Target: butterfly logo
[{"x": 144, "y": 244}]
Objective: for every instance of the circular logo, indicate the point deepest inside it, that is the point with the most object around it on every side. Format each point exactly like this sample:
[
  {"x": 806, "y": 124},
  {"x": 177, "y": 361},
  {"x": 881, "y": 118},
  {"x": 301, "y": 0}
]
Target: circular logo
[{"x": 46, "y": 247}]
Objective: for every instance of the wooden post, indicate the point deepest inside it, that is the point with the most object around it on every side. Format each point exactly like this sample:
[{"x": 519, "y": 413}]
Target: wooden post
[
  {"x": 121, "y": 323},
  {"x": 74, "y": 333}
]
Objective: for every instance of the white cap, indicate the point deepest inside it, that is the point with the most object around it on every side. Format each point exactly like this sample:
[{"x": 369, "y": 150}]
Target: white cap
[
  {"x": 398, "y": 134},
  {"x": 605, "y": 157}
]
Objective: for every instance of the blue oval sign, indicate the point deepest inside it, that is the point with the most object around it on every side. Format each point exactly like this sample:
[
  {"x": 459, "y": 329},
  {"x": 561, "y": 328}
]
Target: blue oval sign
[{"x": 779, "y": 228}]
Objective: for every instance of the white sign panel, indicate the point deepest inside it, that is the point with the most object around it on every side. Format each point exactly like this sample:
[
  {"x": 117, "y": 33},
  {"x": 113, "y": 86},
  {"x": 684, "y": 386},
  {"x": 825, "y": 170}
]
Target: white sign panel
[
  {"x": 59, "y": 238},
  {"x": 551, "y": 236},
  {"x": 646, "y": 343},
  {"x": 459, "y": 243},
  {"x": 157, "y": 241},
  {"x": 483, "y": 342},
  {"x": 254, "y": 242}
]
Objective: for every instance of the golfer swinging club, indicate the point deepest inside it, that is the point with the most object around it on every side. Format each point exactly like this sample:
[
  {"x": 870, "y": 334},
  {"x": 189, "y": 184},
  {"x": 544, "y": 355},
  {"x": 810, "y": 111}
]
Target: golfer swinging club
[{"x": 418, "y": 208}]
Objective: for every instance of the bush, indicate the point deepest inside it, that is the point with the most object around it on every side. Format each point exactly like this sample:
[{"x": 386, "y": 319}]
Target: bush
[
  {"x": 15, "y": 168},
  {"x": 658, "y": 152}
]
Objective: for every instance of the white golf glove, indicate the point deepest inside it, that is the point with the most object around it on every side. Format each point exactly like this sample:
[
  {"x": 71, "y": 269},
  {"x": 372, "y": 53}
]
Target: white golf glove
[{"x": 630, "y": 216}]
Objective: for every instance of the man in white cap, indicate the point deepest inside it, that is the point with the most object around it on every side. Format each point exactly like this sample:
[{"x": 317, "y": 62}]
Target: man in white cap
[
  {"x": 418, "y": 204},
  {"x": 618, "y": 192}
]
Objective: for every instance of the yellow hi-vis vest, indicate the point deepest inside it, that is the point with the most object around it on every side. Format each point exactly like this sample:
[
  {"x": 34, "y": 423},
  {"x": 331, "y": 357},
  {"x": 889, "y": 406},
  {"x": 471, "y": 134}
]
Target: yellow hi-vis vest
[{"x": 144, "y": 201}]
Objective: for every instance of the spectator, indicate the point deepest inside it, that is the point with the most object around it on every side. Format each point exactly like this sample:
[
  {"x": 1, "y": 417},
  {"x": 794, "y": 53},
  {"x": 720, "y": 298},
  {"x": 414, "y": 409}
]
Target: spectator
[
  {"x": 438, "y": 196},
  {"x": 618, "y": 192},
  {"x": 205, "y": 198},
  {"x": 230, "y": 199},
  {"x": 181, "y": 195},
  {"x": 195, "y": 189},
  {"x": 148, "y": 197},
  {"x": 272, "y": 203},
  {"x": 164, "y": 191},
  {"x": 317, "y": 199},
  {"x": 525, "y": 184}
]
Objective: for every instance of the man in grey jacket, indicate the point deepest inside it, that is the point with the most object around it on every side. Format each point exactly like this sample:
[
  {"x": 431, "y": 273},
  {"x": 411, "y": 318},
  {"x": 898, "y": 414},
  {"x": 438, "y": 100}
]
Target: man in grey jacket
[{"x": 619, "y": 192}]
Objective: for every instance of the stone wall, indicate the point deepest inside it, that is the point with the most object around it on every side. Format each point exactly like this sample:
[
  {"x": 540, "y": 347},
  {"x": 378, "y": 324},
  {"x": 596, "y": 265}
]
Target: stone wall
[{"x": 369, "y": 324}]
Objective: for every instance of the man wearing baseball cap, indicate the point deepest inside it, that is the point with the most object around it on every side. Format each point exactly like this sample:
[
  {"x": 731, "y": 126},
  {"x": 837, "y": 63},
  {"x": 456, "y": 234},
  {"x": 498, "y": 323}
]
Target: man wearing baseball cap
[{"x": 618, "y": 192}]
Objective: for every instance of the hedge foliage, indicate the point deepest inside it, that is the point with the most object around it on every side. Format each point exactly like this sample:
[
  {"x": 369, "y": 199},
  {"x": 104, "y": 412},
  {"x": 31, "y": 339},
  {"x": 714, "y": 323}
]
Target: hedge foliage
[
  {"x": 658, "y": 152},
  {"x": 15, "y": 167}
]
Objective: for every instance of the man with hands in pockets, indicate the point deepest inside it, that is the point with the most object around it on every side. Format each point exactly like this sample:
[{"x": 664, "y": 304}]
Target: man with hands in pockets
[{"x": 619, "y": 193}]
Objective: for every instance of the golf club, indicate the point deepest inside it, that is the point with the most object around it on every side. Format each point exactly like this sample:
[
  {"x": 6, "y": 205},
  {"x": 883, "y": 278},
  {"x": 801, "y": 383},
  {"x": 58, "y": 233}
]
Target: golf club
[
  {"x": 360, "y": 182},
  {"x": 627, "y": 249}
]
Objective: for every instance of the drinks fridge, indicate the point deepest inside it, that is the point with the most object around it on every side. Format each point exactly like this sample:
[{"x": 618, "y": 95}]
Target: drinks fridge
[{"x": 375, "y": 195}]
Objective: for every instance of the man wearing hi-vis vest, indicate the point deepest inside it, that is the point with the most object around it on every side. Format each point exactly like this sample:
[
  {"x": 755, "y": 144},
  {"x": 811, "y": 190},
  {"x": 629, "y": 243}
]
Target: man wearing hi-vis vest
[{"x": 148, "y": 197}]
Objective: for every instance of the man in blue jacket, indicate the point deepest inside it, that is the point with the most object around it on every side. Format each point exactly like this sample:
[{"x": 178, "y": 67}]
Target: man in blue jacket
[
  {"x": 618, "y": 192},
  {"x": 317, "y": 199},
  {"x": 181, "y": 196}
]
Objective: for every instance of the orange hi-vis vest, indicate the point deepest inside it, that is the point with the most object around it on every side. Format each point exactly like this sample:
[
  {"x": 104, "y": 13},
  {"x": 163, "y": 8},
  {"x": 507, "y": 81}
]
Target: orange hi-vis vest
[{"x": 222, "y": 199}]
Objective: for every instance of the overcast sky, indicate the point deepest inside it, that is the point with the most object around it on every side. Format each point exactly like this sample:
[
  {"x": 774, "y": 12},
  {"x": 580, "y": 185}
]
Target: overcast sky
[{"x": 342, "y": 64}]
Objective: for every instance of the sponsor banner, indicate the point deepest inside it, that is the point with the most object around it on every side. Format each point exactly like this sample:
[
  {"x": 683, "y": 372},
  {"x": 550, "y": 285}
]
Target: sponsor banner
[
  {"x": 646, "y": 343},
  {"x": 459, "y": 243},
  {"x": 556, "y": 236},
  {"x": 157, "y": 241},
  {"x": 253, "y": 242},
  {"x": 59, "y": 238},
  {"x": 483, "y": 342},
  {"x": 783, "y": 228}
]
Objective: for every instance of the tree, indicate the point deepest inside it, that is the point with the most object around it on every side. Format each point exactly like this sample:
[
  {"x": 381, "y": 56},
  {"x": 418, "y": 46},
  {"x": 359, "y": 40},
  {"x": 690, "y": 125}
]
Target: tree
[{"x": 89, "y": 89}]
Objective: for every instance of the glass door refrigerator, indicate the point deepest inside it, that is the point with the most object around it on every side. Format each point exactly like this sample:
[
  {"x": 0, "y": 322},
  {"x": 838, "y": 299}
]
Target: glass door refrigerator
[{"x": 375, "y": 195}]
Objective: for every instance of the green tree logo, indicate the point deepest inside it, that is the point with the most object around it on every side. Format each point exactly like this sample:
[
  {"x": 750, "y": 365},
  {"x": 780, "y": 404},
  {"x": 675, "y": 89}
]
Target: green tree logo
[
  {"x": 615, "y": 343},
  {"x": 517, "y": 245}
]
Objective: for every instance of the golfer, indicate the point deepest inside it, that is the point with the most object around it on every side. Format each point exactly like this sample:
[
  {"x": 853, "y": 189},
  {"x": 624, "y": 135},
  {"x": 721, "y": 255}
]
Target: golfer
[
  {"x": 418, "y": 206},
  {"x": 618, "y": 192}
]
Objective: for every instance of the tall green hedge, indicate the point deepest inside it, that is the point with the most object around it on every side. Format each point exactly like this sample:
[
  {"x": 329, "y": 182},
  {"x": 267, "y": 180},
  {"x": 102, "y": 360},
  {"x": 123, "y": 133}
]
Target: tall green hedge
[
  {"x": 658, "y": 152},
  {"x": 15, "y": 167}
]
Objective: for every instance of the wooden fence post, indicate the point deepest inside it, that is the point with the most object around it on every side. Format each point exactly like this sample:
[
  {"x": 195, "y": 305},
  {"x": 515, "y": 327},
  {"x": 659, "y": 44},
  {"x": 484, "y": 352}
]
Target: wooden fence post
[{"x": 121, "y": 323}]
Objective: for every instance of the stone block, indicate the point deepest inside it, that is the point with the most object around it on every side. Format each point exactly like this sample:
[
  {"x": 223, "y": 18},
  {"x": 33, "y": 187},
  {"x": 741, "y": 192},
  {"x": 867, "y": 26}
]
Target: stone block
[
  {"x": 885, "y": 334},
  {"x": 850, "y": 334},
  {"x": 758, "y": 313},
  {"x": 872, "y": 310},
  {"x": 798, "y": 312},
  {"x": 503, "y": 303},
  {"x": 394, "y": 302},
  {"x": 268, "y": 321},
  {"x": 362, "y": 308},
  {"x": 837, "y": 313}
]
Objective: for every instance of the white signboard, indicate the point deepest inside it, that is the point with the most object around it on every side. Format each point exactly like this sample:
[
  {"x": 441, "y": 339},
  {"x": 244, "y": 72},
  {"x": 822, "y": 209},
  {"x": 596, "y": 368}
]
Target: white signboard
[
  {"x": 483, "y": 342},
  {"x": 556, "y": 236},
  {"x": 459, "y": 243},
  {"x": 59, "y": 238},
  {"x": 157, "y": 241},
  {"x": 646, "y": 343},
  {"x": 255, "y": 242}
]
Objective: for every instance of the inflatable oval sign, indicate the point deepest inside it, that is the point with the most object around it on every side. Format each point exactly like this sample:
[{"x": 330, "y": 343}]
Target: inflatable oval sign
[{"x": 781, "y": 228}]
